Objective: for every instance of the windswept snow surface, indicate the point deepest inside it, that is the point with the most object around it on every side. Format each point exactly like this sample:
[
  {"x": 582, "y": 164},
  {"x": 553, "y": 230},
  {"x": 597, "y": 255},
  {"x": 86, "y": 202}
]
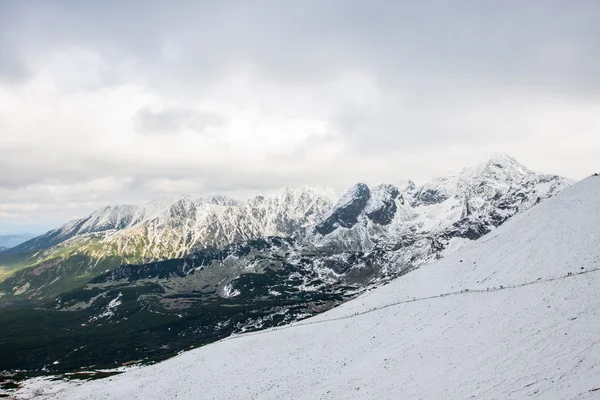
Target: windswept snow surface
[{"x": 514, "y": 315}]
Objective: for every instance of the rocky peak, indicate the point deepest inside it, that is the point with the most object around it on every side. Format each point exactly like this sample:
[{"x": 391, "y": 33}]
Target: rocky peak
[
  {"x": 436, "y": 191},
  {"x": 219, "y": 200},
  {"x": 381, "y": 207},
  {"x": 407, "y": 186},
  {"x": 492, "y": 178},
  {"x": 347, "y": 210},
  {"x": 500, "y": 168},
  {"x": 502, "y": 160}
]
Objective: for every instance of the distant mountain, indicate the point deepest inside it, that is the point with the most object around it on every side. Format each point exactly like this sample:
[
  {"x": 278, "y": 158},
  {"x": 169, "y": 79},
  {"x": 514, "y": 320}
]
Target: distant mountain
[
  {"x": 2, "y": 248},
  {"x": 72, "y": 254},
  {"x": 172, "y": 227},
  {"x": 447, "y": 210},
  {"x": 367, "y": 236},
  {"x": 11, "y": 240}
]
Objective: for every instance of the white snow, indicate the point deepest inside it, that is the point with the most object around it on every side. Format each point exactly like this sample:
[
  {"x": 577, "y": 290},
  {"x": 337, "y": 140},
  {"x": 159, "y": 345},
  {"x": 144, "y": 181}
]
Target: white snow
[
  {"x": 109, "y": 312},
  {"x": 215, "y": 220},
  {"x": 435, "y": 333},
  {"x": 229, "y": 291}
]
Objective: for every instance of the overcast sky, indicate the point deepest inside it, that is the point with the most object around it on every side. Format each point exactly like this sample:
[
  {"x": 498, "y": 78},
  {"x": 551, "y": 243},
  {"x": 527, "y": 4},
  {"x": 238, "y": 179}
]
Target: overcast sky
[{"x": 123, "y": 101}]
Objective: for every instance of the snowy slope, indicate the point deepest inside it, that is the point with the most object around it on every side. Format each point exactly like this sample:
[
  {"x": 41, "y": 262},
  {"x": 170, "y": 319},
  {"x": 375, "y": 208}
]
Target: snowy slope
[
  {"x": 70, "y": 255},
  {"x": 514, "y": 315},
  {"x": 184, "y": 222},
  {"x": 477, "y": 200}
]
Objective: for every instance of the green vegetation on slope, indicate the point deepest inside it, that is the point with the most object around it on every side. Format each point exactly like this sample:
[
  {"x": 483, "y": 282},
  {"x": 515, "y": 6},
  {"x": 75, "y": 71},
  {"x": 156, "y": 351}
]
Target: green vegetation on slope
[
  {"x": 46, "y": 340},
  {"x": 39, "y": 276}
]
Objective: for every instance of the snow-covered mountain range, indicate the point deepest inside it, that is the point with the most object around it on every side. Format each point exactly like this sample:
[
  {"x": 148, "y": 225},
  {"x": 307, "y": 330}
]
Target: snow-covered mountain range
[
  {"x": 73, "y": 253},
  {"x": 172, "y": 227},
  {"x": 367, "y": 238},
  {"x": 366, "y": 234},
  {"x": 513, "y": 315}
]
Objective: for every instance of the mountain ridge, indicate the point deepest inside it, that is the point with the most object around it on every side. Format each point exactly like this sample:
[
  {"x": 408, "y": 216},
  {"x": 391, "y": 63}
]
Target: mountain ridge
[{"x": 405, "y": 228}]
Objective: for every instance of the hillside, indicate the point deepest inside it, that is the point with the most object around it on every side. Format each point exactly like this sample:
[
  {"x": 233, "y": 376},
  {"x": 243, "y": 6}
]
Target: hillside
[{"x": 514, "y": 315}]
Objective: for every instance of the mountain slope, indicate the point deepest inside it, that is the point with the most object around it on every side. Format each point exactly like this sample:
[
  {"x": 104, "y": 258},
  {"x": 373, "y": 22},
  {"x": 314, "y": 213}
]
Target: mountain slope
[
  {"x": 70, "y": 255},
  {"x": 514, "y": 315},
  {"x": 465, "y": 205}
]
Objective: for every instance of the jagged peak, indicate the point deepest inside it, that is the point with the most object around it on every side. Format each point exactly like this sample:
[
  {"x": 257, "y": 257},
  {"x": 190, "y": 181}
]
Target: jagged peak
[
  {"x": 358, "y": 190},
  {"x": 284, "y": 190},
  {"x": 502, "y": 158},
  {"x": 406, "y": 186},
  {"x": 386, "y": 188},
  {"x": 346, "y": 211},
  {"x": 295, "y": 195},
  {"x": 306, "y": 189},
  {"x": 502, "y": 163},
  {"x": 219, "y": 200},
  {"x": 498, "y": 173},
  {"x": 381, "y": 207}
]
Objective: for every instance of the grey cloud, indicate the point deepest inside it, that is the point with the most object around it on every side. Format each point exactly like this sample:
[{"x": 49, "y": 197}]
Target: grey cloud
[
  {"x": 437, "y": 66},
  {"x": 12, "y": 66},
  {"x": 172, "y": 120},
  {"x": 498, "y": 43}
]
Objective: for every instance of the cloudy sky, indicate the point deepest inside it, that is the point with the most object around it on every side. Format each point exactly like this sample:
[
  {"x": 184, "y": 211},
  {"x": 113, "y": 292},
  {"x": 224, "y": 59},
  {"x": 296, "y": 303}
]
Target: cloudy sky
[{"x": 124, "y": 101}]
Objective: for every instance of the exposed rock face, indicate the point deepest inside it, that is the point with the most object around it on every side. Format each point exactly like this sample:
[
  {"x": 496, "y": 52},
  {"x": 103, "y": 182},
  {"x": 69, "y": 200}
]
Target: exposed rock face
[
  {"x": 345, "y": 213},
  {"x": 382, "y": 206}
]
